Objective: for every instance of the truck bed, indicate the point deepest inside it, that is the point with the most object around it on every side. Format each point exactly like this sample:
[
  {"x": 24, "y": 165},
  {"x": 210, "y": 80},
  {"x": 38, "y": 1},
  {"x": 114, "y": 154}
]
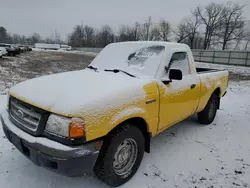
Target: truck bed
[{"x": 206, "y": 70}]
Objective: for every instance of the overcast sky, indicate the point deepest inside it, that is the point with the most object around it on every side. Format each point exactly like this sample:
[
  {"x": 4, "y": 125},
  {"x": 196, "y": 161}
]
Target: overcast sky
[{"x": 46, "y": 16}]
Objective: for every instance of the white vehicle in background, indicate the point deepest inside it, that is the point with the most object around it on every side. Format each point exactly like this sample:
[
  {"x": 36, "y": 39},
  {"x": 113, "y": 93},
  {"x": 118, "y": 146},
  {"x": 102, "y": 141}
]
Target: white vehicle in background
[
  {"x": 66, "y": 47},
  {"x": 3, "y": 51},
  {"x": 46, "y": 46}
]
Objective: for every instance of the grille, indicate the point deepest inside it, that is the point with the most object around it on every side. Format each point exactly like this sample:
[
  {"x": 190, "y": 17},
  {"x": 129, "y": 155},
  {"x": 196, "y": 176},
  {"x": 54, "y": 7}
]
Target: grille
[{"x": 24, "y": 115}]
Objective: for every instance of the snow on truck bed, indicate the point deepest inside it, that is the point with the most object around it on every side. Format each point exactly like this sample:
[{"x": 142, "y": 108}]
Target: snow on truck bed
[
  {"x": 186, "y": 155},
  {"x": 243, "y": 71}
]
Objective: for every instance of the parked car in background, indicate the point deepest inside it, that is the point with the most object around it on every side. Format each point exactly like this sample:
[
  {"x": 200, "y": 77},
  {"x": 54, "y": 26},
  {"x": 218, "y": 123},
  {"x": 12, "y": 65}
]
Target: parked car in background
[
  {"x": 4, "y": 51},
  {"x": 25, "y": 48},
  {"x": 130, "y": 92},
  {"x": 29, "y": 49},
  {"x": 1, "y": 54},
  {"x": 66, "y": 47},
  {"x": 11, "y": 51},
  {"x": 17, "y": 49}
]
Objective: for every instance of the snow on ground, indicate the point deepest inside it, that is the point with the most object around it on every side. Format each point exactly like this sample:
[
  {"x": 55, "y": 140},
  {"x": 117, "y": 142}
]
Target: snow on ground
[
  {"x": 186, "y": 155},
  {"x": 34, "y": 64},
  {"x": 92, "y": 54}
]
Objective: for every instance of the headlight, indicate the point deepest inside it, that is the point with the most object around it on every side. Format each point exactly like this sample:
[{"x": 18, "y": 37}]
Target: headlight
[{"x": 66, "y": 127}]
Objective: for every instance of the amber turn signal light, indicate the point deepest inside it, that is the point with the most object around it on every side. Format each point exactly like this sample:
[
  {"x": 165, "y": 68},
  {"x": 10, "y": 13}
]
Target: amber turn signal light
[{"x": 76, "y": 128}]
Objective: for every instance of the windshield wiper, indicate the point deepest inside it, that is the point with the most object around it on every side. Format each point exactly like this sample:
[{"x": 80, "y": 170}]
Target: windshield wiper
[
  {"x": 119, "y": 70},
  {"x": 93, "y": 68}
]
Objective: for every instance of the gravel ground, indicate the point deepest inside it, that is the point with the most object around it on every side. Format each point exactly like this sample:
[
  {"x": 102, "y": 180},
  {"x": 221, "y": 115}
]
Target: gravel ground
[{"x": 33, "y": 64}]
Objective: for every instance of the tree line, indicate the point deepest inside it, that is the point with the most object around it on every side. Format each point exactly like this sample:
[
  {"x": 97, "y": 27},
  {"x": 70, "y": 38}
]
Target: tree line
[
  {"x": 6, "y": 37},
  {"x": 213, "y": 26}
]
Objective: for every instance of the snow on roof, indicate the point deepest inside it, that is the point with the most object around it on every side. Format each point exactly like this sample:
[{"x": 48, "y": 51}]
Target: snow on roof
[{"x": 162, "y": 43}]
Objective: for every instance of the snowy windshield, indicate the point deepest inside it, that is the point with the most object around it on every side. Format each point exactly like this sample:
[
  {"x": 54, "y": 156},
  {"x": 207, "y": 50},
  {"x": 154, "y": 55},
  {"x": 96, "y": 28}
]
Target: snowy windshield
[{"x": 135, "y": 58}]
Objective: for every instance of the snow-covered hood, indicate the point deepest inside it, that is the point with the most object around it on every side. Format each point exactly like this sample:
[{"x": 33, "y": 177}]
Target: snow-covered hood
[{"x": 71, "y": 93}]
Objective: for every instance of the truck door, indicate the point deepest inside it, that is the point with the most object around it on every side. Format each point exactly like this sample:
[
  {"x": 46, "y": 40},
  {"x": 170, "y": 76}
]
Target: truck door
[{"x": 179, "y": 98}]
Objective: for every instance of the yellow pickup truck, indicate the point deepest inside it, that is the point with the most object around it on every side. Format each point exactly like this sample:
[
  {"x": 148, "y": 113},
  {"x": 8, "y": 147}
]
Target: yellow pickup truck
[{"x": 101, "y": 119}]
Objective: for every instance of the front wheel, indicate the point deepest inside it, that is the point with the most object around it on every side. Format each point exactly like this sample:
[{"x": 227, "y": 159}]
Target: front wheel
[
  {"x": 120, "y": 156},
  {"x": 207, "y": 116}
]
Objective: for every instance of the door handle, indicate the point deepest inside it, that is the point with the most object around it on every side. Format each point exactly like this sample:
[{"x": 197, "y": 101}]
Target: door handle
[{"x": 193, "y": 86}]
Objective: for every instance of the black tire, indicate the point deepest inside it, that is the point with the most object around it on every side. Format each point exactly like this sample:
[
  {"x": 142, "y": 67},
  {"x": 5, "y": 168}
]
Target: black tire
[
  {"x": 207, "y": 116},
  {"x": 105, "y": 169}
]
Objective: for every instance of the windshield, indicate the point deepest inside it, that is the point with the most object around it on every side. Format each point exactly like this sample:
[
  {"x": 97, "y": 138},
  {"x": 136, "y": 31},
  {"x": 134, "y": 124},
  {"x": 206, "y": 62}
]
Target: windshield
[{"x": 135, "y": 58}]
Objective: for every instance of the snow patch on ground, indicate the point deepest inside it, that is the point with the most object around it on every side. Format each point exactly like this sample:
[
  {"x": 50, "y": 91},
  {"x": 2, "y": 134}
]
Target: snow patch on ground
[
  {"x": 3, "y": 102},
  {"x": 92, "y": 54}
]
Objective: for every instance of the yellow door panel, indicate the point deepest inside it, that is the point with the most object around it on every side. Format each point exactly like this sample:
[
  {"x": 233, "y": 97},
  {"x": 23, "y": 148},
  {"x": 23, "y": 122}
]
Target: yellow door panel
[{"x": 178, "y": 100}]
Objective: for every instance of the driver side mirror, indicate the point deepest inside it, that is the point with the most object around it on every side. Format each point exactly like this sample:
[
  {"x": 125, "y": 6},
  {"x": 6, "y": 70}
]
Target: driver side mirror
[{"x": 175, "y": 74}]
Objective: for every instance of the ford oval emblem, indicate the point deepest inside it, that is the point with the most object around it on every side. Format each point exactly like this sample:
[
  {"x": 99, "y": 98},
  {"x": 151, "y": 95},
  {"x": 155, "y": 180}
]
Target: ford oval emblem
[{"x": 20, "y": 113}]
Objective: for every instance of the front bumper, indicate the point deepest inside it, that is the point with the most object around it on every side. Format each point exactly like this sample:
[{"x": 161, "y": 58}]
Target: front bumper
[{"x": 69, "y": 161}]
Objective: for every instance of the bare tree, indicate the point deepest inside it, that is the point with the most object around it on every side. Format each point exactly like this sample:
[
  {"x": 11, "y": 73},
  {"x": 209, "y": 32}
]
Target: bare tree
[
  {"x": 89, "y": 35},
  {"x": 76, "y": 38},
  {"x": 162, "y": 31},
  {"x": 181, "y": 32},
  {"x": 211, "y": 17},
  {"x": 155, "y": 34},
  {"x": 165, "y": 30},
  {"x": 105, "y": 36},
  {"x": 128, "y": 33},
  {"x": 241, "y": 37},
  {"x": 232, "y": 24},
  {"x": 193, "y": 24},
  {"x": 34, "y": 38},
  {"x": 188, "y": 30},
  {"x": 3, "y": 34}
]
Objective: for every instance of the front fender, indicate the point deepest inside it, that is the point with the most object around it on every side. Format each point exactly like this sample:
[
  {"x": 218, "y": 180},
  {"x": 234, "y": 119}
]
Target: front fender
[{"x": 128, "y": 113}]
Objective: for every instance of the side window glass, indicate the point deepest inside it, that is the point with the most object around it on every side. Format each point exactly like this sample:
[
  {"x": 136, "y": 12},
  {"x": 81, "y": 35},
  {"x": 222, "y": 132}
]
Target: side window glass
[{"x": 180, "y": 61}]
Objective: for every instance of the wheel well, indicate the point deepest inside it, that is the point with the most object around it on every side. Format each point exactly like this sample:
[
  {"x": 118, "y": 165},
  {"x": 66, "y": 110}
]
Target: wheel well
[
  {"x": 142, "y": 125},
  {"x": 217, "y": 92}
]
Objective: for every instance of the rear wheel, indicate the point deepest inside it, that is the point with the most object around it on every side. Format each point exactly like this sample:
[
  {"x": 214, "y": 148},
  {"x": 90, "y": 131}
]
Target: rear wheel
[
  {"x": 120, "y": 156},
  {"x": 207, "y": 116}
]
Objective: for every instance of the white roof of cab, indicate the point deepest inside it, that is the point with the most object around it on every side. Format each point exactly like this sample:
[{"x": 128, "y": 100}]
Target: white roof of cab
[{"x": 162, "y": 43}]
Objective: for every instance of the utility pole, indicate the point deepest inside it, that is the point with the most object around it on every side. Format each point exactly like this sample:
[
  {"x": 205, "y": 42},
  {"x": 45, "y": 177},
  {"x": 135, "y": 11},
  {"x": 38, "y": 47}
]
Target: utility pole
[{"x": 148, "y": 27}]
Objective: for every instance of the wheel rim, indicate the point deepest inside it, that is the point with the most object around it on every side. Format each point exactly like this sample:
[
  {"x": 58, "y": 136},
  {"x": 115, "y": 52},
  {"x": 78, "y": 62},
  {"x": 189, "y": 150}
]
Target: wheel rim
[
  {"x": 211, "y": 110},
  {"x": 125, "y": 157}
]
